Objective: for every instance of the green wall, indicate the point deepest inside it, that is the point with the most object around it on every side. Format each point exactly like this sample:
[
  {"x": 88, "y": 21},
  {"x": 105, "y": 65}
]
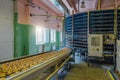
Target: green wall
[
  {"x": 47, "y": 47},
  {"x": 33, "y": 48},
  {"x": 21, "y": 40},
  {"x": 57, "y": 39},
  {"x": 25, "y": 41}
]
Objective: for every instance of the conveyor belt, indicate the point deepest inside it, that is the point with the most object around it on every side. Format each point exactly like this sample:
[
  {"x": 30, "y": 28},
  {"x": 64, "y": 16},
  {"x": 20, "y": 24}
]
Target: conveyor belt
[{"x": 21, "y": 69}]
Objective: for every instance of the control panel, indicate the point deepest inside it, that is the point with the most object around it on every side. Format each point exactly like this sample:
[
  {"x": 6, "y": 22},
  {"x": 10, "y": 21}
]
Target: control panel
[{"x": 95, "y": 45}]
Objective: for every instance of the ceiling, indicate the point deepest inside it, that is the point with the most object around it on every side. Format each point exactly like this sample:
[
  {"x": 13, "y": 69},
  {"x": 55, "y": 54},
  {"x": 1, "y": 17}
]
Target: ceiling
[
  {"x": 76, "y": 5},
  {"x": 90, "y": 5}
]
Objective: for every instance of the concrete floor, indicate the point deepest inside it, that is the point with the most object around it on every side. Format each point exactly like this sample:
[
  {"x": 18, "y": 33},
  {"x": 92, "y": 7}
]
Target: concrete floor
[
  {"x": 63, "y": 73},
  {"x": 83, "y": 72},
  {"x": 81, "y": 60}
]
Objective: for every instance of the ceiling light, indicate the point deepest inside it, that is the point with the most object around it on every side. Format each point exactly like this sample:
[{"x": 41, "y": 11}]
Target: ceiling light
[{"x": 83, "y": 4}]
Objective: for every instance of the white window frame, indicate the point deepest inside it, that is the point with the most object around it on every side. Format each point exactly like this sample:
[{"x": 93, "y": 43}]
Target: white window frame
[
  {"x": 53, "y": 35},
  {"x": 40, "y": 35}
]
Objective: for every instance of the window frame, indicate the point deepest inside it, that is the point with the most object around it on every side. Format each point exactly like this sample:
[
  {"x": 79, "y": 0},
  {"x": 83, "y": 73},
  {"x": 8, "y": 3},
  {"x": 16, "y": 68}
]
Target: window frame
[
  {"x": 40, "y": 35},
  {"x": 52, "y": 35},
  {"x": 47, "y": 35}
]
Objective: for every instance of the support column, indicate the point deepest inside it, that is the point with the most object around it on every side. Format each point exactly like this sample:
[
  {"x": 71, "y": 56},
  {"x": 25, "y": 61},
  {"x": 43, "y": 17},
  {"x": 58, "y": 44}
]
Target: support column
[
  {"x": 73, "y": 34},
  {"x": 56, "y": 76},
  {"x": 115, "y": 34},
  {"x": 99, "y": 4},
  {"x": 15, "y": 25}
]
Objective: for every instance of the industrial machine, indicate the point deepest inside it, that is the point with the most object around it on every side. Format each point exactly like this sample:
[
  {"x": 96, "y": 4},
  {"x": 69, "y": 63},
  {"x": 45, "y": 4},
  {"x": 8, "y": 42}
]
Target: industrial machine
[
  {"x": 100, "y": 46},
  {"x": 35, "y": 67},
  {"x": 118, "y": 56}
]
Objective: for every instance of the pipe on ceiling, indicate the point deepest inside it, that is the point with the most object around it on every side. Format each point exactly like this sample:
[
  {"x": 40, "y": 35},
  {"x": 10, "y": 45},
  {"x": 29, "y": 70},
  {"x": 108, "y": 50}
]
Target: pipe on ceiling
[
  {"x": 45, "y": 7},
  {"x": 78, "y": 5},
  {"x": 72, "y": 4},
  {"x": 64, "y": 6}
]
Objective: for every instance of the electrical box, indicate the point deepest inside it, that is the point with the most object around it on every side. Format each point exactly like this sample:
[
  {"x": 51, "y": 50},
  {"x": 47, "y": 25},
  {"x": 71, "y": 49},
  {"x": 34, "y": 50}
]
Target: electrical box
[
  {"x": 95, "y": 45},
  {"x": 118, "y": 55}
]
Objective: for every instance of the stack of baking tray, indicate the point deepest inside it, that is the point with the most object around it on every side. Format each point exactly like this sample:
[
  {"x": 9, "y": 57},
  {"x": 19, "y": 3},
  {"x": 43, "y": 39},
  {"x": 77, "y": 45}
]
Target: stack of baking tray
[
  {"x": 101, "y": 22},
  {"x": 118, "y": 24}
]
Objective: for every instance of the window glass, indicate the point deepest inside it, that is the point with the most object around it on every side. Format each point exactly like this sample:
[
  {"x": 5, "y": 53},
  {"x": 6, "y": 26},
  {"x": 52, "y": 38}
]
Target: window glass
[
  {"x": 53, "y": 35},
  {"x": 40, "y": 35},
  {"x": 60, "y": 36}
]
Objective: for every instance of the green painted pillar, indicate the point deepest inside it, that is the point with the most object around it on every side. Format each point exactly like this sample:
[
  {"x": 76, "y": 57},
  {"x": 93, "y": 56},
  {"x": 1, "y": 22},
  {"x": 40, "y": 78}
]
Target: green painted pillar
[
  {"x": 57, "y": 39},
  {"x": 25, "y": 37},
  {"x": 15, "y": 33},
  {"x": 21, "y": 38}
]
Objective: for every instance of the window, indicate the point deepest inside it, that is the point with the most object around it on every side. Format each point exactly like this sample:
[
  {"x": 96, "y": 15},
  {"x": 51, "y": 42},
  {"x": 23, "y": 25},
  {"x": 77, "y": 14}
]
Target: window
[
  {"x": 47, "y": 35},
  {"x": 55, "y": 2},
  {"x": 40, "y": 35},
  {"x": 53, "y": 35}
]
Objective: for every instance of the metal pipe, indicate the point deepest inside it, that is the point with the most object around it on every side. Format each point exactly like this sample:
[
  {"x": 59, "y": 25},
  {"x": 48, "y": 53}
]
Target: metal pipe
[
  {"x": 73, "y": 31},
  {"x": 15, "y": 23},
  {"x": 43, "y": 15},
  {"x": 99, "y": 4},
  {"x": 111, "y": 76},
  {"x": 15, "y": 6},
  {"x": 78, "y": 5},
  {"x": 72, "y": 4},
  {"x": 88, "y": 18},
  {"x": 115, "y": 34},
  {"x": 88, "y": 22},
  {"x": 64, "y": 6},
  {"x": 63, "y": 30},
  {"x": 72, "y": 25},
  {"x": 57, "y": 69},
  {"x": 116, "y": 3}
]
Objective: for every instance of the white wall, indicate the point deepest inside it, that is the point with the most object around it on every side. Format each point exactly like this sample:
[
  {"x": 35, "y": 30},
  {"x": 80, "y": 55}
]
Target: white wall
[{"x": 6, "y": 29}]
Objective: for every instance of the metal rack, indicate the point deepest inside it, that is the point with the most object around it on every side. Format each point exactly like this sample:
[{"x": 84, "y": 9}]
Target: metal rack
[
  {"x": 93, "y": 22},
  {"x": 118, "y": 18},
  {"x": 76, "y": 31},
  {"x": 101, "y": 22},
  {"x": 80, "y": 31},
  {"x": 68, "y": 29}
]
